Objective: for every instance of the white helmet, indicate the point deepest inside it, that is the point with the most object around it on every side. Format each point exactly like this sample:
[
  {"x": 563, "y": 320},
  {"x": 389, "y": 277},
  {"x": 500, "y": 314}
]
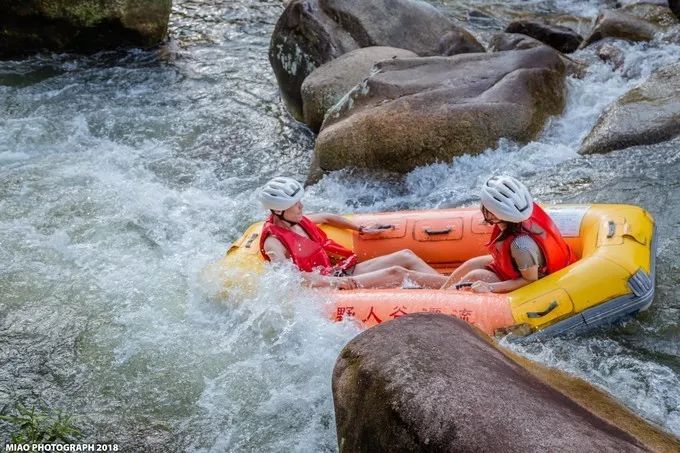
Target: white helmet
[
  {"x": 281, "y": 193},
  {"x": 507, "y": 198}
]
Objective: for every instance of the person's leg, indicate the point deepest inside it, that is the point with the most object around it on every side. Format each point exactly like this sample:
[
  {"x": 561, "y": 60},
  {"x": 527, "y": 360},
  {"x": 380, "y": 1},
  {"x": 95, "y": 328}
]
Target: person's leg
[
  {"x": 382, "y": 278},
  {"x": 394, "y": 277},
  {"x": 403, "y": 258},
  {"x": 479, "y": 262},
  {"x": 484, "y": 275}
]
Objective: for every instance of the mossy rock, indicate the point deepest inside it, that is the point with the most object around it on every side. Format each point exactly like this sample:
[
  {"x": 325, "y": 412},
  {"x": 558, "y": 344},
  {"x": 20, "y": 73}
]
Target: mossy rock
[{"x": 80, "y": 25}]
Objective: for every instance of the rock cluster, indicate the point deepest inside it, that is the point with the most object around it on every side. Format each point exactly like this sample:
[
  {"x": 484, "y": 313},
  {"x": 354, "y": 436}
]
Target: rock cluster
[
  {"x": 397, "y": 84},
  {"x": 310, "y": 33}
]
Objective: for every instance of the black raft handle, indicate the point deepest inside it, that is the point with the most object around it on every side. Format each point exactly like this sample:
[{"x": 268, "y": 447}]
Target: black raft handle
[
  {"x": 441, "y": 231},
  {"x": 538, "y": 314}
]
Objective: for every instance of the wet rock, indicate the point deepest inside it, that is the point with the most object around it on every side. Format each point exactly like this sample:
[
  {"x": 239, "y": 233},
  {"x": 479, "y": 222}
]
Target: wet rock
[
  {"x": 458, "y": 41},
  {"x": 561, "y": 38},
  {"x": 580, "y": 25},
  {"x": 324, "y": 87},
  {"x": 659, "y": 15},
  {"x": 501, "y": 42},
  {"x": 310, "y": 33},
  {"x": 30, "y": 26},
  {"x": 607, "y": 51},
  {"x": 649, "y": 113},
  {"x": 430, "y": 382},
  {"x": 619, "y": 24},
  {"x": 413, "y": 112},
  {"x": 512, "y": 41}
]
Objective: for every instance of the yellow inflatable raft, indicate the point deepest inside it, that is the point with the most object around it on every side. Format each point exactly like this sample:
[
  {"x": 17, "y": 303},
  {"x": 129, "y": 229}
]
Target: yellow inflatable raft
[{"x": 613, "y": 278}]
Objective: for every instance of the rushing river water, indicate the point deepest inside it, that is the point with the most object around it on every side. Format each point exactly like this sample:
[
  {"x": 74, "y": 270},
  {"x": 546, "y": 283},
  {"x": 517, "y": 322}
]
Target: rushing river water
[{"x": 123, "y": 174}]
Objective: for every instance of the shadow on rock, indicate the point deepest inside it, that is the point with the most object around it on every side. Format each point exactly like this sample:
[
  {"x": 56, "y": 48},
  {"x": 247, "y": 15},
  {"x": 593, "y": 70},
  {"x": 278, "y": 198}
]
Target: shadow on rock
[
  {"x": 413, "y": 112},
  {"x": 431, "y": 382}
]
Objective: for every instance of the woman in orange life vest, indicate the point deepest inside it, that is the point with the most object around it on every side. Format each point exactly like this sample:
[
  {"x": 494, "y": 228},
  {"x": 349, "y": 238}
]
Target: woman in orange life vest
[
  {"x": 525, "y": 243},
  {"x": 288, "y": 235}
]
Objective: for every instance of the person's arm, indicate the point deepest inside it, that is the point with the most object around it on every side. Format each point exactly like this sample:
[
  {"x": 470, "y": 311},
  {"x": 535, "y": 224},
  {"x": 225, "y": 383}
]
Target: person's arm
[
  {"x": 334, "y": 220},
  {"x": 339, "y": 221},
  {"x": 526, "y": 254},
  {"x": 478, "y": 262},
  {"x": 277, "y": 254},
  {"x": 506, "y": 286}
]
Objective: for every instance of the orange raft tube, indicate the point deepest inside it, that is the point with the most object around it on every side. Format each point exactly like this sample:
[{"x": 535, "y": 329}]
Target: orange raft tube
[{"x": 612, "y": 278}]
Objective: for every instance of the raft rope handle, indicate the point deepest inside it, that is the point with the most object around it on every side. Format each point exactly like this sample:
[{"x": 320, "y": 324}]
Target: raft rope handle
[
  {"x": 440, "y": 231},
  {"x": 539, "y": 314},
  {"x": 612, "y": 229}
]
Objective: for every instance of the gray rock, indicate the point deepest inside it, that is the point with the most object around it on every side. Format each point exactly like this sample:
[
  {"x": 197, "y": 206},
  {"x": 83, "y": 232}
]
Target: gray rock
[
  {"x": 310, "y": 33},
  {"x": 619, "y": 24},
  {"x": 324, "y": 87},
  {"x": 659, "y": 15},
  {"x": 607, "y": 51},
  {"x": 430, "y": 382},
  {"x": 501, "y": 42},
  {"x": 512, "y": 41},
  {"x": 419, "y": 111},
  {"x": 30, "y": 26},
  {"x": 649, "y": 113},
  {"x": 561, "y": 38},
  {"x": 458, "y": 41}
]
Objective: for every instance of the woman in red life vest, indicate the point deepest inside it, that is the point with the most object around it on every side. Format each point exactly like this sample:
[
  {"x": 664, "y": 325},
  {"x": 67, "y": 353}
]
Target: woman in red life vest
[
  {"x": 288, "y": 235},
  {"x": 525, "y": 243}
]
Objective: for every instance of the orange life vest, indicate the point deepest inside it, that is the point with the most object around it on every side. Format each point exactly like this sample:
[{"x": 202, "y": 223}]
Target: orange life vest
[
  {"x": 316, "y": 252},
  {"x": 556, "y": 251}
]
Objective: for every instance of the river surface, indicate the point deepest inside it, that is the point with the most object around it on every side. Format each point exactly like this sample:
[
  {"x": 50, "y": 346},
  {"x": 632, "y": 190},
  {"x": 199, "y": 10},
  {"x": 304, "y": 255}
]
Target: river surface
[{"x": 124, "y": 173}]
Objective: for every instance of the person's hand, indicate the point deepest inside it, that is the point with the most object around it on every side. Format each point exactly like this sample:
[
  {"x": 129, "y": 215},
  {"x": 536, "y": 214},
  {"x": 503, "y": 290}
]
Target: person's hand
[
  {"x": 343, "y": 283},
  {"x": 481, "y": 287},
  {"x": 374, "y": 229}
]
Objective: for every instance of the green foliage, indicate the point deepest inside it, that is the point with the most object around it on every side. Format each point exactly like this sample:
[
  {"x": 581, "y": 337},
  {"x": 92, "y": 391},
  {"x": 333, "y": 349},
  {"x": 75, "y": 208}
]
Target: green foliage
[{"x": 35, "y": 426}]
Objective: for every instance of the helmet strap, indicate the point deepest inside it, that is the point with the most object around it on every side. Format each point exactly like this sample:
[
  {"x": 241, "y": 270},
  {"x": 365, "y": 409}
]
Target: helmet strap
[{"x": 283, "y": 219}]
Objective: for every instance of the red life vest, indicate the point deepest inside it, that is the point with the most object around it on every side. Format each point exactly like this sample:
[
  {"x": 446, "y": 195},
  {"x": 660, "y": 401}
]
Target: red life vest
[
  {"x": 317, "y": 252},
  {"x": 557, "y": 253}
]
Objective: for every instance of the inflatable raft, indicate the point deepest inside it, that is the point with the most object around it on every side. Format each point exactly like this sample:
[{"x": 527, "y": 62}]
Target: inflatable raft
[{"x": 613, "y": 277}]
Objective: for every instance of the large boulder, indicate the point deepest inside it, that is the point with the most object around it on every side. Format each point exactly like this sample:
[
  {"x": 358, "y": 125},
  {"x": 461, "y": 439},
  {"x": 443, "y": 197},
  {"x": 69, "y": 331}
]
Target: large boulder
[
  {"x": 561, "y": 38},
  {"x": 430, "y": 382},
  {"x": 30, "y": 26},
  {"x": 310, "y": 33},
  {"x": 413, "y": 112},
  {"x": 328, "y": 83},
  {"x": 649, "y": 113},
  {"x": 501, "y": 42},
  {"x": 639, "y": 22}
]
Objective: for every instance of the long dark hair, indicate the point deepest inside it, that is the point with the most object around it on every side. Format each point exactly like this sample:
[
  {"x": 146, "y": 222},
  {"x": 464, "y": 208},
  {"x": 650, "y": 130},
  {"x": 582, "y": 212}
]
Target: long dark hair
[{"x": 512, "y": 228}]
